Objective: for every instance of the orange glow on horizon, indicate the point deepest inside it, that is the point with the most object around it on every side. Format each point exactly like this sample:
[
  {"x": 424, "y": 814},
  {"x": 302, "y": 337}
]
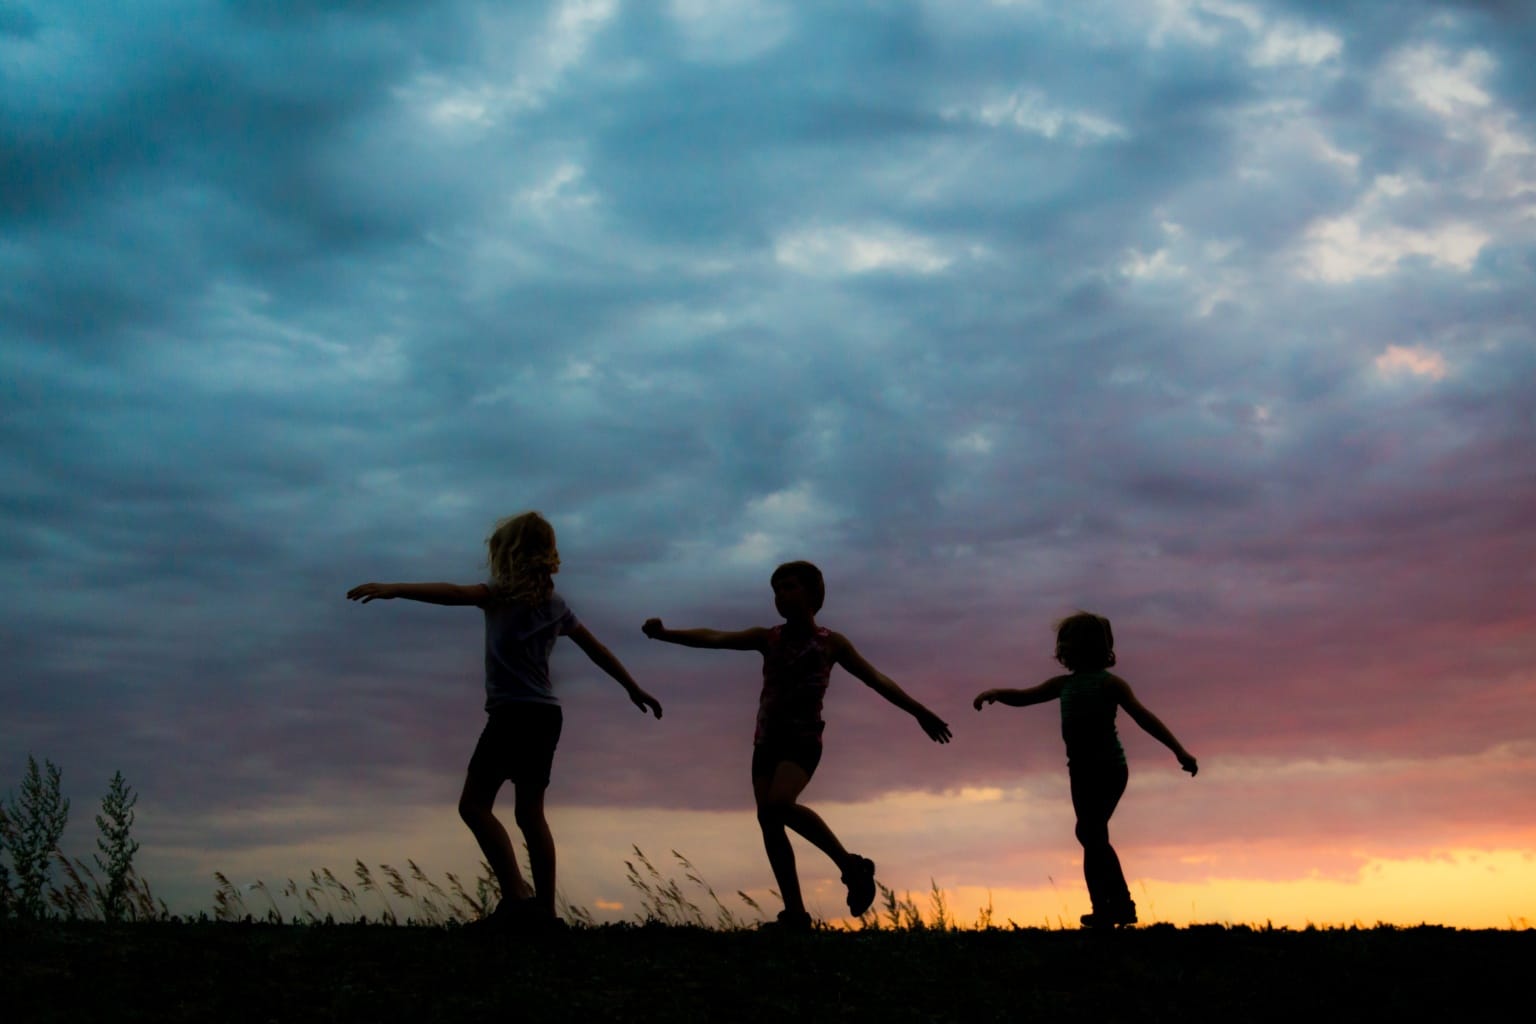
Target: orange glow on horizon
[
  {"x": 1457, "y": 889},
  {"x": 1473, "y": 882}
]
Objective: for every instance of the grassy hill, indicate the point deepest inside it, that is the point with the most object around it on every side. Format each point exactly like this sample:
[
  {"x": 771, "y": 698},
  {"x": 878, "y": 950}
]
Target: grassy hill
[{"x": 168, "y": 971}]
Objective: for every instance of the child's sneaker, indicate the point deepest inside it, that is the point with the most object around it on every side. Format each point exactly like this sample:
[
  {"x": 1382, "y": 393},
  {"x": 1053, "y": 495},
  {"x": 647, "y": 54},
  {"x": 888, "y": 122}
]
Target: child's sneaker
[
  {"x": 860, "y": 880},
  {"x": 1111, "y": 918},
  {"x": 788, "y": 921}
]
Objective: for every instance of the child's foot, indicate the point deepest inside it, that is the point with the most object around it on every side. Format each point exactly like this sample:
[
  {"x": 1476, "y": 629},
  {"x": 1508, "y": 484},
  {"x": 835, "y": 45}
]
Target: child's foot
[
  {"x": 537, "y": 924},
  {"x": 860, "y": 880},
  {"x": 509, "y": 913},
  {"x": 788, "y": 921},
  {"x": 1110, "y": 918}
]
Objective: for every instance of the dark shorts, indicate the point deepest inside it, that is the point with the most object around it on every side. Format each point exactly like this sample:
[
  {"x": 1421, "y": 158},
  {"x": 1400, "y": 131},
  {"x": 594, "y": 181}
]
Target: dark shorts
[
  {"x": 518, "y": 744},
  {"x": 770, "y": 753},
  {"x": 1097, "y": 788}
]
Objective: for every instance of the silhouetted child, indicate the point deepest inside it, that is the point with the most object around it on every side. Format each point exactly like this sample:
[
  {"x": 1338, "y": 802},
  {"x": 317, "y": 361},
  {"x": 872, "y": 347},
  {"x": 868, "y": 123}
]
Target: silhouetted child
[
  {"x": 1085, "y": 644},
  {"x": 797, "y": 662},
  {"x": 523, "y": 617}
]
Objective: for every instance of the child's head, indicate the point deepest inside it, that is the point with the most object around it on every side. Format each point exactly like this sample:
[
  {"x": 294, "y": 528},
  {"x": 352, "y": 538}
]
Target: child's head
[
  {"x": 801, "y": 577},
  {"x": 522, "y": 557},
  {"x": 1084, "y": 642}
]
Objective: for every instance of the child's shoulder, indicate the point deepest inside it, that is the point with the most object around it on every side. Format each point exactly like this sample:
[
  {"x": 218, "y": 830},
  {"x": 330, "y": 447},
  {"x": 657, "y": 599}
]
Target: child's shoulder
[
  {"x": 819, "y": 636},
  {"x": 499, "y": 598},
  {"x": 1099, "y": 680}
]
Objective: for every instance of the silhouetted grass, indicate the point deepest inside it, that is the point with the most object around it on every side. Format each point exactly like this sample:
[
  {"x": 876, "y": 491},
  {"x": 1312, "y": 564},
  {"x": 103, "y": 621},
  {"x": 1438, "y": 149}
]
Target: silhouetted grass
[
  {"x": 314, "y": 950},
  {"x": 390, "y": 897},
  {"x": 664, "y": 901},
  {"x": 165, "y": 971}
]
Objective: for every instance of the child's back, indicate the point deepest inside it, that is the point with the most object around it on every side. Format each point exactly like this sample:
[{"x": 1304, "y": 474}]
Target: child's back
[
  {"x": 519, "y": 638},
  {"x": 523, "y": 619},
  {"x": 1090, "y": 695},
  {"x": 1088, "y": 706}
]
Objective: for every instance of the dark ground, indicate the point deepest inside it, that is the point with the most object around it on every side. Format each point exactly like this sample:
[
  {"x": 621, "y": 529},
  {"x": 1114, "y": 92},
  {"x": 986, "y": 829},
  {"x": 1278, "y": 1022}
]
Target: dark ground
[{"x": 215, "y": 972}]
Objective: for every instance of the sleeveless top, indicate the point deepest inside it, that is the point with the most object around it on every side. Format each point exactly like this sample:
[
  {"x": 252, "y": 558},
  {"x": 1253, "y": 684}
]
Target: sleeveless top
[
  {"x": 1088, "y": 709},
  {"x": 795, "y": 676}
]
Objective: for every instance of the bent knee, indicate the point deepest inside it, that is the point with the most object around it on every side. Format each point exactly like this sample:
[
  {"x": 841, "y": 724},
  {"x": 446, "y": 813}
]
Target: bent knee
[
  {"x": 773, "y": 813},
  {"x": 1092, "y": 835},
  {"x": 529, "y": 813}
]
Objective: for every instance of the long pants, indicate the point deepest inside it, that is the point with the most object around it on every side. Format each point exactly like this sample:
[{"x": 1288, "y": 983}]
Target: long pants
[{"x": 1096, "y": 790}]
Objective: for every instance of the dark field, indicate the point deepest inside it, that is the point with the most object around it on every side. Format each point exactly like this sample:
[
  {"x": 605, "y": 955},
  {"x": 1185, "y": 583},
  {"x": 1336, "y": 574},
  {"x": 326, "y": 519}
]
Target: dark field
[{"x": 210, "y": 971}]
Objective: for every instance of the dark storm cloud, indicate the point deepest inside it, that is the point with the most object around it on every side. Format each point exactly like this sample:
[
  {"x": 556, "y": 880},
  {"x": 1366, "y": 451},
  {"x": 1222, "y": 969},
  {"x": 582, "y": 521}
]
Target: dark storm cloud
[{"x": 992, "y": 312}]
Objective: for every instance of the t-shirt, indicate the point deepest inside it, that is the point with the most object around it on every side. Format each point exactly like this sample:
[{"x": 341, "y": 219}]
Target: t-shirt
[
  {"x": 795, "y": 676},
  {"x": 1088, "y": 707},
  {"x": 518, "y": 639}
]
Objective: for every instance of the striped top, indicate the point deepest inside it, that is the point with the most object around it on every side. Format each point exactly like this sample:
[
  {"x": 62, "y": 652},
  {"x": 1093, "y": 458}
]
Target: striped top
[{"x": 795, "y": 676}]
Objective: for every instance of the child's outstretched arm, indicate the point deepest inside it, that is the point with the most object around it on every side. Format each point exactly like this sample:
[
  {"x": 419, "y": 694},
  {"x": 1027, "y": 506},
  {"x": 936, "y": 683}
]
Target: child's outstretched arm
[
  {"x": 604, "y": 659},
  {"x": 851, "y": 660},
  {"x": 1048, "y": 690},
  {"x": 1152, "y": 724},
  {"x": 715, "y": 639},
  {"x": 431, "y": 593}
]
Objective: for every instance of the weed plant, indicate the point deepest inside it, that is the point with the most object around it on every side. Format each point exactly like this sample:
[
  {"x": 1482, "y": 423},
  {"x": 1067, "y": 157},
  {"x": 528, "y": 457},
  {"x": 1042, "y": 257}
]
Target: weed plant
[{"x": 31, "y": 827}]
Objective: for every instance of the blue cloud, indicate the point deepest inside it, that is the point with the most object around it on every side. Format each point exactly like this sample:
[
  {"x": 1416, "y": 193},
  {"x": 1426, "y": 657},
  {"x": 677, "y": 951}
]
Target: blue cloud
[{"x": 994, "y": 312}]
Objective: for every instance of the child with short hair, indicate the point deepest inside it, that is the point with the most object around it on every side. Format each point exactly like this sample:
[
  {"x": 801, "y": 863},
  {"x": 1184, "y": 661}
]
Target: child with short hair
[
  {"x": 1096, "y": 766},
  {"x": 798, "y": 657},
  {"x": 523, "y": 618}
]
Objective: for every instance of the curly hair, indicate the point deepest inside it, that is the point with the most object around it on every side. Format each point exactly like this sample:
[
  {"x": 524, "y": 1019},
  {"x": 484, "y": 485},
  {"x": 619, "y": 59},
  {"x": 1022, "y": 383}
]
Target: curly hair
[
  {"x": 810, "y": 578},
  {"x": 1085, "y": 642},
  {"x": 522, "y": 557}
]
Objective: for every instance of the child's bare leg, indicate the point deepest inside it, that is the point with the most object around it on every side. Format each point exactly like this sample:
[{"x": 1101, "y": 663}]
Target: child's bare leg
[
  {"x": 787, "y": 783},
  {"x": 1095, "y": 794},
  {"x": 775, "y": 796},
  {"x": 776, "y": 805},
  {"x": 541, "y": 845},
  {"x": 809, "y": 824},
  {"x": 475, "y": 804},
  {"x": 781, "y": 858}
]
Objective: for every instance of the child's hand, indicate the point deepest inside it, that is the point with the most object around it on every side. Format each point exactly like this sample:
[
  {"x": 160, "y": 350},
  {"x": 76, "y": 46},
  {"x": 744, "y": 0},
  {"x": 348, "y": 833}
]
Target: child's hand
[
  {"x": 645, "y": 702},
  {"x": 371, "y": 592},
  {"x": 1187, "y": 762},
  {"x": 933, "y": 725},
  {"x": 653, "y": 629},
  {"x": 984, "y": 697}
]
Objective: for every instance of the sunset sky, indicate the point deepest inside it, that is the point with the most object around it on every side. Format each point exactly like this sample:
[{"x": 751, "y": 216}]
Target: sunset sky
[{"x": 1213, "y": 317}]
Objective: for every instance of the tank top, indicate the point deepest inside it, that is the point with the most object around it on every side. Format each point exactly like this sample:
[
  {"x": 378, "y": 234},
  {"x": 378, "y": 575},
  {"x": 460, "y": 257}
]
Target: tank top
[
  {"x": 1088, "y": 709},
  {"x": 795, "y": 677}
]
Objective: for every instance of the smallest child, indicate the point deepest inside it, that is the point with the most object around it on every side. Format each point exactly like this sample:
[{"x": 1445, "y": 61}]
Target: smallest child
[{"x": 1096, "y": 766}]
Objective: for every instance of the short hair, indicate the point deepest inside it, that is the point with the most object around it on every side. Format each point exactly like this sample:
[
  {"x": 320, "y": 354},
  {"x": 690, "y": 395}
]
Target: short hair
[
  {"x": 809, "y": 577},
  {"x": 1085, "y": 642}
]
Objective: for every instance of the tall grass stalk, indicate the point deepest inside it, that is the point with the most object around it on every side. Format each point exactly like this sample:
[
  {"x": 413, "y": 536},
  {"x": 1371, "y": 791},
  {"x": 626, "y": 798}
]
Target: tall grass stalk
[
  {"x": 664, "y": 901},
  {"x": 384, "y": 895}
]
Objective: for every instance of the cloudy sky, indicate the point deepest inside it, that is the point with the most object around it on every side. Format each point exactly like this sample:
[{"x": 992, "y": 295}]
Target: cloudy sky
[{"x": 1213, "y": 317}]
